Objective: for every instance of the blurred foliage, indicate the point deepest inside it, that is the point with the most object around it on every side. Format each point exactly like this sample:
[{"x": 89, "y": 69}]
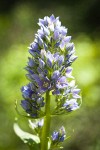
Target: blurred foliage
[{"x": 17, "y": 28}]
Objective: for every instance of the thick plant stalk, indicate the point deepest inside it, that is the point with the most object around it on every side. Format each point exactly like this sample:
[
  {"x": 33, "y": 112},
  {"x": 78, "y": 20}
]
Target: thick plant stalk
[{"x": 46, "y": 127}]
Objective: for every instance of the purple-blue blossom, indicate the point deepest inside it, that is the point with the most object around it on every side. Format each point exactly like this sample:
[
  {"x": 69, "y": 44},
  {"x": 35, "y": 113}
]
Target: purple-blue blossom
[
  {"x": 32, "y": 107},
  {"x": 71, "y": 105},
  {"x": 49, "y": 68},
  {"x": 29, "y": 108},
  {"x": 61, "y": 82},
  {"x": 27, "y": 91},
  {"x": 43, "y": 83},
  {"x": 55, "y": 136},
  {"x": 49, "y": 72},
  {"x": 58, "y": 136},
  {"x": 40, "y": 123},
  {"x": 75, "y": 93}
]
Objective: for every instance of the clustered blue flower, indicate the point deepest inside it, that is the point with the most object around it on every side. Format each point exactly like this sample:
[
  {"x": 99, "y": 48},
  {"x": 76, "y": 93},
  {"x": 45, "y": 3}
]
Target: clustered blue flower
[
  {"x": 49, "y": 69},
  {"x": 58, "y": 136}
]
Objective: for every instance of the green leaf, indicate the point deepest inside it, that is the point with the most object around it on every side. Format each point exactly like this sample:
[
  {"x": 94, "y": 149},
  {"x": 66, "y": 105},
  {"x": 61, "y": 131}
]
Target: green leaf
[{"x": 25, "y": 136}]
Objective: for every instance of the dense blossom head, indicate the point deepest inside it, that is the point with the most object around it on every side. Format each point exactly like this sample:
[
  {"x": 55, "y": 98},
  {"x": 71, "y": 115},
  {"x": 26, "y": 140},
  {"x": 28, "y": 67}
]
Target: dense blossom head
[
  {"x": 58, "y": 136},
  {"x": 49, "y": 68},
  {"x": 32, "y": 100}
]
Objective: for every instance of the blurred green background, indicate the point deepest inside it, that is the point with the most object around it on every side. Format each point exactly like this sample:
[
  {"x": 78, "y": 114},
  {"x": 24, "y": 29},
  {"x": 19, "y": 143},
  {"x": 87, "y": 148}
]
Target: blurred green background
[{"x": 18, "y": 24}]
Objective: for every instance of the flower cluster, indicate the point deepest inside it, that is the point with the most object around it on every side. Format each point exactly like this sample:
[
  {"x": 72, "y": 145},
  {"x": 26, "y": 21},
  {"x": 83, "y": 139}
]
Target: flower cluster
[
  {"x": 58, "y": 137},
  {"x": 49, "y": 68},
  {"x": 49, "y": 73},
  {"x": 33, "y": 101}
]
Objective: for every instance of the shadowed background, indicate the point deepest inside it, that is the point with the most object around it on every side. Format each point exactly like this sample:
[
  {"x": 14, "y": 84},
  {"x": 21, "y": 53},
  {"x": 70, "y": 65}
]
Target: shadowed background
[{"x": 18, "y": 24}]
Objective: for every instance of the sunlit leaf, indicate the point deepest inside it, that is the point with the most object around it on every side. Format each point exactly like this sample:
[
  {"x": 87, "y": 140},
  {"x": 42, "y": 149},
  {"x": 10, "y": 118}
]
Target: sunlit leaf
[{"x": 25, "y": 136}]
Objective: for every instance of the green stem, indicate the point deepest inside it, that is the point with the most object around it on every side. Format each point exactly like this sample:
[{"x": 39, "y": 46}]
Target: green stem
[{"x": 46, "y": 127}]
